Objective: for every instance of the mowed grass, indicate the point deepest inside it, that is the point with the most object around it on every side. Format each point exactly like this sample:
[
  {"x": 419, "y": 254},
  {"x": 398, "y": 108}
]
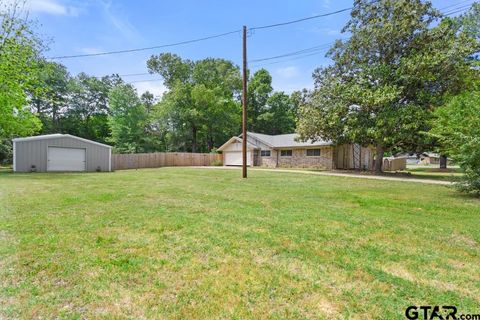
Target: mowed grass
[
  {"x": 453, "y": 174},
  {"x": 184, "y": 243}
]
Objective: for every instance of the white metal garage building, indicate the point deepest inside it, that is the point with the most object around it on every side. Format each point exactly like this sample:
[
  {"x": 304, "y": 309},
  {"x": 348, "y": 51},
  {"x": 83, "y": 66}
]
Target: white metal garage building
[{"x": 60, "y": 152}]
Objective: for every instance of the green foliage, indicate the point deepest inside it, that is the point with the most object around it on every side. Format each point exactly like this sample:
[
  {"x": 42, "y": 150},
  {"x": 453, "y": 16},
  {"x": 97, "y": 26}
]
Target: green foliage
[
  {"x": 19, "y": 71},
  {"x": 50, "y": 97},
  {"x": 127, "y": 119},
  {"x": 457, "y": 127},
  {"x": 270, "y": 112},
  {"x": 202, "y": 108},
  {"x": 6, "y": 152},
  {"x": 259, "y": 90},
  {"x": 388, "y": 77},
  {"x": 279, "y": 115}
]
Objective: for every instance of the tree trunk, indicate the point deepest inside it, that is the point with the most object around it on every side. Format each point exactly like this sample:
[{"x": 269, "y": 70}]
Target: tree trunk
[
  {"x": 194, "y": 139},
  {"x": 379, "y": 159},
  {"x": 443, "y": 161},
  {"x": 210, "y": 142}
]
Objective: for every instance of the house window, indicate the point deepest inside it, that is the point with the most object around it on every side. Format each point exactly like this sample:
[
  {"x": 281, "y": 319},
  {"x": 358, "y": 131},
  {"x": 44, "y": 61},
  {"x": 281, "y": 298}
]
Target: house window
[
  {"x": 286, "y": 153},
  {"x": 265, "y": 153},
  {"x": 313, "y": 152}
]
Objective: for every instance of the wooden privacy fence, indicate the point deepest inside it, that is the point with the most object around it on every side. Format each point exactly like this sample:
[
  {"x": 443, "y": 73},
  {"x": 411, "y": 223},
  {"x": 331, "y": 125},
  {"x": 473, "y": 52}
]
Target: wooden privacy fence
[{"x": 163, "y": 159}]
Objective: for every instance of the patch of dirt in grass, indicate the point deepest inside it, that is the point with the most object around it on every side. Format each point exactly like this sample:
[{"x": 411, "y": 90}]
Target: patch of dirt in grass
[
  {"x": 315, "y": 303},
  {"x": 464, "y": 240},
  {"x": 400, "y": 272}
]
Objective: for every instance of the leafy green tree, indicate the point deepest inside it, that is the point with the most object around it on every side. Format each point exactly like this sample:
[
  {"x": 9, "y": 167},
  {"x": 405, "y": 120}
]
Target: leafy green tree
[
  {"x": 469, "y": 22},
  {"x": 148, "y": 100},
  {"x": 88, "y": 106},
  {"x": 259, "y": 90},
  {"x": 50, "y": 98},
  {"x": 387, "y": 77},
  {"x": 279, "y": 115},
  {"x": 127, "y": 119},
  {"x": 457, "y": 127},
  {"x": 6, "y": 152},
  {"x": 202, "y": 103},
  {"x": 20, "y": 49}
]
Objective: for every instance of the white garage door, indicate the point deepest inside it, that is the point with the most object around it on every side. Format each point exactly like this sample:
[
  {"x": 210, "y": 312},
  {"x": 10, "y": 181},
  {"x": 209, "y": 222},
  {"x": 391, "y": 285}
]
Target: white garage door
[
  {"x": 234, "y": 158},
  {"x": 66, "y": 159}
]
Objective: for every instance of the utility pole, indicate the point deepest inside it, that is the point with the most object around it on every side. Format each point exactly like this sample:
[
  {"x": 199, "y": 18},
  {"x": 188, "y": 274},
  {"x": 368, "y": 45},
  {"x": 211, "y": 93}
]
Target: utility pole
[{"x": 244, "y": 105}]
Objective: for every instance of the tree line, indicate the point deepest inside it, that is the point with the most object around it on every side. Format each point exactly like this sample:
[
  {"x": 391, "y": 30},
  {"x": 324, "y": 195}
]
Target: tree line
[
  {"x": 405, "y": 80},
  {"x": 200, "y": 110}
]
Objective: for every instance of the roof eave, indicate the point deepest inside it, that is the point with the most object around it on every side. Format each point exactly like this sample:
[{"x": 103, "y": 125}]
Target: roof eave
[{"x": 56, "y": 136}]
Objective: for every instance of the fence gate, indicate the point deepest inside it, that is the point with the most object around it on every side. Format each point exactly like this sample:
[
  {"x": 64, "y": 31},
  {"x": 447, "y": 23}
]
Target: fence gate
[{"x": 357, "y": 156}]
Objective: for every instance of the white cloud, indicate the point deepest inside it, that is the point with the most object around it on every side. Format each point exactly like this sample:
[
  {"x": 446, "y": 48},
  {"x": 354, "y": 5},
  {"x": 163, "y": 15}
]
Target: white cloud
[
  {"x": 119, "y": 21},
  {"x": 287, "y": 72},
  {"x": 326, "y": 4},
  {"x": 52, "y": 7},
  {"x": 155, "y": 87}
]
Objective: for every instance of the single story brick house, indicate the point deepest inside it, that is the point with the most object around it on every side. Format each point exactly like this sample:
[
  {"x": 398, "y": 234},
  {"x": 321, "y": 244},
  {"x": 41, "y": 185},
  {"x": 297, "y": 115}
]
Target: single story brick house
[{"x": 287, "y": 151}]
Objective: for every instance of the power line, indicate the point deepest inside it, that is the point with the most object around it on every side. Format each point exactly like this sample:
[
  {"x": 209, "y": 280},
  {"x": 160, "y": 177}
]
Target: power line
[
  {"x": 134, "y": 74},
  {"x": 138, "y": 81},
  {"x": 201, "y": 39},
  {"x": 317, "y": 49},
  {"x": 302, "y": 19},
  {"x": 455, "y": 8},
  {"x": 146, "y": 48},
  {"x": 457, "y": 4},
  {"x": 291, "y": 59},
  {"x": 294, "y": 53}
]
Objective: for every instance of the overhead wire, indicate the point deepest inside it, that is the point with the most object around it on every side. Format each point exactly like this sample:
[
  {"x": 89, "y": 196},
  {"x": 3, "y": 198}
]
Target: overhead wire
[
  {"x": 145, "y": 48},
  {"x": 295, "y": 55},
  {"x": 459, "y": 8},
  {"x": 200, "y": 39}
]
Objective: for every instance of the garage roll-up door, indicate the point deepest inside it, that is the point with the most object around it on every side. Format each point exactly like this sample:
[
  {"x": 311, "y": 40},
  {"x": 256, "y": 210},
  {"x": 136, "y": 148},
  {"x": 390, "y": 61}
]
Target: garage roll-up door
[
  {"x": 234, "y": 158},
  {"x": 66, "y": 159}
]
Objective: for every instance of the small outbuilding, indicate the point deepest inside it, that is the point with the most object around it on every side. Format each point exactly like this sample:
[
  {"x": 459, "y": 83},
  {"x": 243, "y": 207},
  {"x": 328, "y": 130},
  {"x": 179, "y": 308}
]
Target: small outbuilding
[{"x": 60, "y": 152}]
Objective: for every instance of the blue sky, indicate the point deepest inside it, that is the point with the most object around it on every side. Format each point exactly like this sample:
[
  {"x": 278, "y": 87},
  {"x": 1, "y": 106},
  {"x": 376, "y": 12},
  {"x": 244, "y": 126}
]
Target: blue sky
[{"x": 90, "y": 26}]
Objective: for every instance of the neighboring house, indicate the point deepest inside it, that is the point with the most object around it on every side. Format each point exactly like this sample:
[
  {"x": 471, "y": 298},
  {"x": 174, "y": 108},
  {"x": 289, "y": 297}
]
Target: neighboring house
[
  {"x": 430, "y": 158},
  {"x": 411, "y": 158},
  {"x": 287, "y": 151}
]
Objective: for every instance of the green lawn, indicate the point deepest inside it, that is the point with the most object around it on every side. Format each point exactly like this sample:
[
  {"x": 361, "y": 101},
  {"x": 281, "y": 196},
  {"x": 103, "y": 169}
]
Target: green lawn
[
  {"x": 203, "y": 244},
  {"x": 452, "y": 173}
]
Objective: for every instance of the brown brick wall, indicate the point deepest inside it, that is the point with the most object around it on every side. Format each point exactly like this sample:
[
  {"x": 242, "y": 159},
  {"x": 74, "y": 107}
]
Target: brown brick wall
[
  {"x": 299, "y": 159},
  {"x": 269, "y": 162}
]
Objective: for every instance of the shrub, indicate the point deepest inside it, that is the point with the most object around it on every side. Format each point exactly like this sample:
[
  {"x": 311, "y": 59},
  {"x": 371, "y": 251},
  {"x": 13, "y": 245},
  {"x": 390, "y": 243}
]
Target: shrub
[
  {"x": 457, "y": 128},
  {"x": 6, "y": 152},
  {"x": 217, "y": 163}
]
